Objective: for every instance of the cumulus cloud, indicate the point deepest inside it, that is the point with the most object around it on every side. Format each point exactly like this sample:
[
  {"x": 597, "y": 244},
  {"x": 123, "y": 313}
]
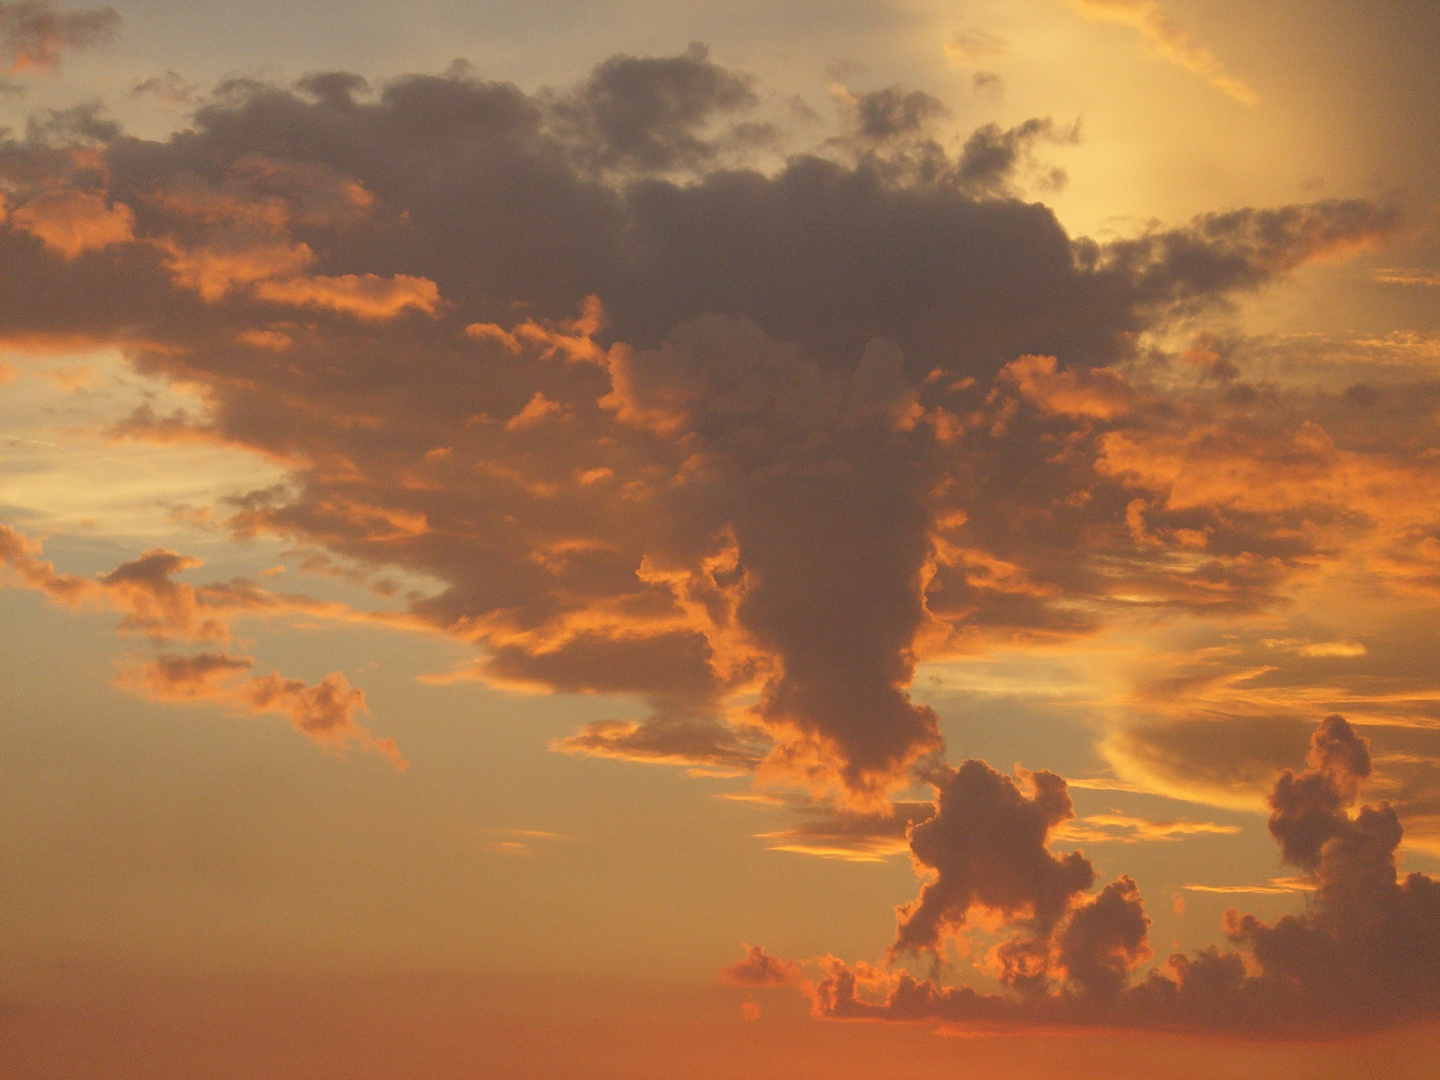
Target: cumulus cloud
[
  {"x": 749, "y": 446},
  {"x": 653, "y": 113},
  {"x": 1362, "y": 955},
  {"x": 143, "y": 591},
  {"x": 987, "y": 847}
]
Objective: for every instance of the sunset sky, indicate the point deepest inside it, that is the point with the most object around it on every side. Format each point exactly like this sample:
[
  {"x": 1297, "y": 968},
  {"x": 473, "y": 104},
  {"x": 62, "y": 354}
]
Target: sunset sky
[{"x": 720, "y": 540}]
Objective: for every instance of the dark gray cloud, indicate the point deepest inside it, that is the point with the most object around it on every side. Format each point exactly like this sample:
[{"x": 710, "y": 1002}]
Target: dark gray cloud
[
  {"x": 782, "y": 433},
  {"x": 893, "y": 112},
  {"x": 655, "y": 114},
  {"x": 1364, "y": 954},
  {"x": 987, "y": 847}
]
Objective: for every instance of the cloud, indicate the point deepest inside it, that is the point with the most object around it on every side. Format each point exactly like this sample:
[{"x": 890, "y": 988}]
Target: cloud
[
  {"x": 1168, "y": 38},
  {"x": 171, "y": 89},
  {"x": 1276, "y": 887},
  {"x": 1105, "y": 940},
  {"x": 1099, "y": 393},
  {"x": 974, "y": 45},
  {"x": 986, "y": 845},
  {"x": 151, "y": 602},
  {"x": 893, "y": 112},
  {"x": 748, "y": 445},
  {"x": 366, "y": 296},
  {"x": 1406, "y": 276},
  {"x": 685, "y": 741},
  {"x": 1124, "y": 828},
  {"x": 652, "y": 113},
  {"x": 74, "y": 222},
  {"x": 992, "y": 156},
  {"x": 759, "y": 968},
  {"x": 851, "y": 836},
  {"x": 325, "y": 711},
  {"x": 535, "y": 411},
  {"x": 1362, "y": 955},
  {"x": 1217, "y": 719},
  {"x": 522, "y": 842},
  {"x": 34, "y": 34}
]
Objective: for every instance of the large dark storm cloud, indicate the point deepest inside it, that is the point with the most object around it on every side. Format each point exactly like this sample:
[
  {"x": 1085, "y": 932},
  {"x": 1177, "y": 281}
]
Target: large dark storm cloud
[{"x": 660, "y": 425}]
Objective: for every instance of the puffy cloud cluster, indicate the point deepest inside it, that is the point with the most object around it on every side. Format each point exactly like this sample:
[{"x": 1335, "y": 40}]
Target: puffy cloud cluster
[
  {"x": 143, "y": 591},
  {"x": 987, "y": 847},
  {"x": 1365, "y": 953}
]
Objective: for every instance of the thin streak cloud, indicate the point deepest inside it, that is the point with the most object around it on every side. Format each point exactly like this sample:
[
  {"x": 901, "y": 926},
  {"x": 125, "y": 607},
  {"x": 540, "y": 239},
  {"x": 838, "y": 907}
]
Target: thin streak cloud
[{"x": 1169, "y": 40}]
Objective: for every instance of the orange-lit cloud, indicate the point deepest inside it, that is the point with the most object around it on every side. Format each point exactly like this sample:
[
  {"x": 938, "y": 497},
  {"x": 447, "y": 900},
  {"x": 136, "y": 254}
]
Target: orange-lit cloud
[
  {"x": 1169, "y": 39},
  {"x": 1127, "y": 829},
  {"x": 851, "y": 836},
  {"x": 366, "y": 296},
  {"x": 34, "y": 34},
  {"x": 234, "y": 262},
  {"x": 975, "y": 45},
  {"x": 325, "y": 711},
  {"x": 152, "y": 603},
  {"x": 749, "y": 446},
  {"x": 759, "y": 968},
  {"x": 148, "y": 598},
  {"x": 1099, "y": 393},
  {"x": 987, "y": 847},
  {"x": 74, "y": 222}
]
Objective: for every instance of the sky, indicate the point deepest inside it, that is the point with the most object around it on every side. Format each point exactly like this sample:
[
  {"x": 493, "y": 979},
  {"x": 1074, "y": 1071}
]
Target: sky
[{"x": 748, "y": 540}]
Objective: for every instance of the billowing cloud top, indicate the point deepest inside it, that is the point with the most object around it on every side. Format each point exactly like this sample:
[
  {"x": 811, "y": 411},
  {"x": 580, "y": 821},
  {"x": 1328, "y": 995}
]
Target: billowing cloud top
[{"x": 664, "y": 427}]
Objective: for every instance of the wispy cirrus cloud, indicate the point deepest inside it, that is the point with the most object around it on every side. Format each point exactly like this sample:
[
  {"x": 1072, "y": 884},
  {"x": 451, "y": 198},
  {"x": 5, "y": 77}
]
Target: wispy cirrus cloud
[{"x": 1169, "y": 39}]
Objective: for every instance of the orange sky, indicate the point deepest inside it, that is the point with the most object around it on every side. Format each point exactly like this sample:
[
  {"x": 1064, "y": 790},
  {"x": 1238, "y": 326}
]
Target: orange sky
[{"x": 745, "y": 539}]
